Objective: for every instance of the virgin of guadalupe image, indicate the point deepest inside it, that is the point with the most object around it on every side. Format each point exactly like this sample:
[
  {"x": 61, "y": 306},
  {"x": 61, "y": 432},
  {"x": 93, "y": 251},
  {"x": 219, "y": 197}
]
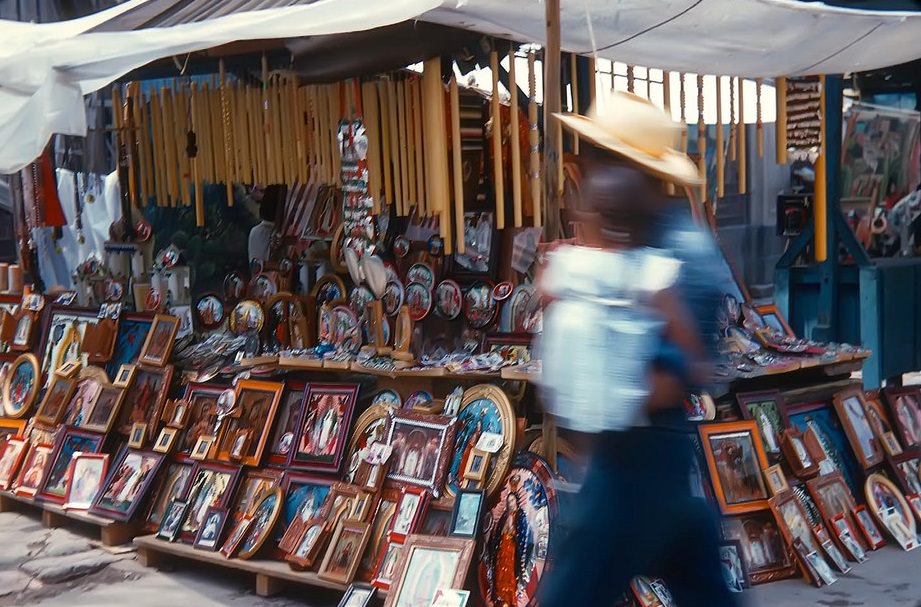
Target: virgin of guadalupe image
[
  {"x": 320, "y": 436},
  {"x": 767, "y": 432},
  {"x": 509, "y": 550}
]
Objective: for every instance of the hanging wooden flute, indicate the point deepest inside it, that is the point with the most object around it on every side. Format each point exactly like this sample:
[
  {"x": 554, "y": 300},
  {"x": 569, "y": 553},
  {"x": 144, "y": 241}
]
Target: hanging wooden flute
[
  {"x": 256, "y": 133},
  {"x": 400, "y": 197},
  {"x": 278, "y": 134},
  {"x": 181, "y": 116},
  {"x": 335, "y": 113},
  {"x": 214, "y": 137},
  {"x": 372, "y": 128},
  {"x": 701, "y": 138},
  {"x": 227, "y": 125},
  {"x": 420, "y": 150},
  {"x": 410, "y": 136},
  {"x": 158, "y": 149},
  {"x": 196, "y": 159},
  {"x": 574, "y": 86},
  {"x": 515, "y": 140},
  {"x": 140, "y": 129},
  {"x": 457, "y": 166},
  {"x": 732, "y": 119},
  {"x": 667, "y": 102},
  {"x": 295, "y": 122},
  {"x": 402, "y": 128},
  {"x": 166, "y": 106},
  {"x": 288, "y": 155},
  {"x": 720, "y": 157},
  {"x": 496, "y": 119},
  {"x": 128, "y": 142},
  {"x": 386, "y": 166},
  {"x": 759, "y": 125},
  {"x": 780, "y": 90},
  {"x": 534, "y": 142},
  {"x": 743, "y": 160},
  {"x": 682, "y": 108},
  {"x": 436, "y": 172}
]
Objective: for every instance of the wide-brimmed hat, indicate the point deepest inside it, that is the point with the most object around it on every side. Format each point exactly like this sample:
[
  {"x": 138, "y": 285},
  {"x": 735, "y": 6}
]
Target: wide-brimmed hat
[{"x": 633, "y": 128}]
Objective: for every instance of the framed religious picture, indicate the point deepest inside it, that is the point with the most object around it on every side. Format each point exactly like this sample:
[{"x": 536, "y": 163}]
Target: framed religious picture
[
  {"x": 793, "y": 521},
  {"x": 14, "y": 449},
  {"x": 126, "y": 485},
  {"x": 832, "y": 495},
  {"x": 232, "y": 543},
  {"x": 89, "y": 383},
  {"x": 369, "y": 428},
  {"x": 138, "y": 436},
  {"x": 255, "y": 406},
  {"x": 70, "y": 369},
  {"x": 307, "y": 546},
  {"x": 868, "y": 529},
  {"x": 55, "y": 401},
  {"x": 62, "y": 335},
  {"x": 736, "y": 458},
  {"x": 410, "y": 512},
  {"x": 914, "y": 500},
  {"x": 852, "y": 410},
  {"x": 87, "y": 472},
  {"x": 733, "y": 566},
  {"x": 172, "y": 520},
  {"x": 892, "y": 510},
  {"x": 203, "y": 448},
  {"x": 468, "y": 510},
  {"x": 177, "y": 414},
  {"x": 427, "y": 564},
  {"x": 68, "y": 444},
  {"x": 105, "y": 409},
  {"x": 132, "y": 333},
  {"x": 485, "y": 409},
  {"x": 437, "y": 520},
  {"x": 345, "y": 549},
  {"x": 907, "y": 470},
  {"x": 905, "y": 404},
  {"x": 767, "y": 410},
  {"x": 263, "y": 518},
  {"x": 381, "y": 521},
  {"x": 776, "y": 479},
  {"x": 174, "y": 483},
  {"x": 475, "y": 468},
  {"x": 159, "y": 343},
  {"x": 421, "y": 449},
  {"x": 386, "y": 568},
  {"x": 358, "y": 595},
  {"x": 803, "y": 461},
  {"x": 304, "y": 496},
  {"x": 201, "y": 419},
  {"x": 145, "y": 397},
  {"x": 252, "y": 485},
  {"x": 834, "y": 555},
  {"x": 289, "y": 413},
  {"x": 322, "y": 435},
  {"x": 881, "y": 424},
  {"x": 817, "y": 569},
  {"x": 21, "y": 387},
  {"x": 764, "y": 553},
  {"x": 212, "y": 486},
  {"x": 209, "y": 535},
  {"x": 33, "y": 470},
  {"x": 848, "y": 538},
  {"x": 166, "y": 440},
  {"x": 22, "y": 335},
  {"x": 124, "y": 376}
]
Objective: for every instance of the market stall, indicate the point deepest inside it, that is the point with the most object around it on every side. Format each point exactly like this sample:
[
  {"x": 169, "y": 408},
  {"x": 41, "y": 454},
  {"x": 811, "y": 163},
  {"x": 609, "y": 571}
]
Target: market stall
[{"x": 329, "y": 381}]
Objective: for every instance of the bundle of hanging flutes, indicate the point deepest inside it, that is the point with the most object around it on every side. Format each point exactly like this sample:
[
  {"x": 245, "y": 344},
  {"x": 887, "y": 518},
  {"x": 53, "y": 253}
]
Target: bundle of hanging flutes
[{"x": 222, "y": 130}]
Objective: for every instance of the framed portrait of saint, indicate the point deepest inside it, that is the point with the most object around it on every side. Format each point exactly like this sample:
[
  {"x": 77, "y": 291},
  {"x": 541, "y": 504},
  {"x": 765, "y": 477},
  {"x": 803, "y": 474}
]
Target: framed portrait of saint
[
  {"x": 246, "y": 431},
  {"x": 736, "y": 459},
  {"x": 323, "y": 427},
  {"x": 852, "y": 410}
]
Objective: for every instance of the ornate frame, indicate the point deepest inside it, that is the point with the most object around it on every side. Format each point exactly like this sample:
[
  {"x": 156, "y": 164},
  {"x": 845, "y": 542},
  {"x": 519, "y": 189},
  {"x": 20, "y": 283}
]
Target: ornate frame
[
  {"x": 353, "y": 526},
  {"x": 907, "y": 513},
  {"x": 350, "y": 391},
  {"x": 891, "y": 395},
  {"x": 852, "y": 436},
  {"x": 746, "y": 398},
  {"x": 42, "y": 492},
  {"x": 141, "y": 493},
  {"x": 159, "y": 361},
  {"x": 463, "y": 547},
  {"x": 446, "y": 426},
  {"x": 275, "y": 389},
  {"x": 269, "y": 529},
  {"x": 709, "y": 430},
  {"x": 37, "y": 383}
]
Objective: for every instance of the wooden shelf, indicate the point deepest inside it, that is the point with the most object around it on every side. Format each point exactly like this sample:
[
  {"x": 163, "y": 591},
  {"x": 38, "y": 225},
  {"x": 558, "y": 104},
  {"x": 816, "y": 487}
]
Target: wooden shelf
[
  {"x": 271, "y": 576},
  {"x": 111, "y": 533}
]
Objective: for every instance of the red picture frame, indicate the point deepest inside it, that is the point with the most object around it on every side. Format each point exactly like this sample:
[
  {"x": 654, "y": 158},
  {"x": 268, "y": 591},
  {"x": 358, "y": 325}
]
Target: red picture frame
[
  {"x": 311, "y": 450},
  {"x": 402, "y": 526}
]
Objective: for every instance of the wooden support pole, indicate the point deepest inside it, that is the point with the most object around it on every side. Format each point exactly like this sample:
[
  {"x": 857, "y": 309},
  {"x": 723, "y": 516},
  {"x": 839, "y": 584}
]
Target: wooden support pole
[
  {"x": 733, "y": 117},
  {"x": 701, "y": 138},
  {"x": 553, "y": 132},
  {"x": 498, "y": 176},
  {"x": 820, "y": 204},
  {"x": 720, "y": 154},
  {"x": 574, "y": 88},
  {"x": 534, "y": 143},
  {"x": 743, "y": 175},
  {"x": 515, "y": 140},
  {"x": 419, "y": 144}
]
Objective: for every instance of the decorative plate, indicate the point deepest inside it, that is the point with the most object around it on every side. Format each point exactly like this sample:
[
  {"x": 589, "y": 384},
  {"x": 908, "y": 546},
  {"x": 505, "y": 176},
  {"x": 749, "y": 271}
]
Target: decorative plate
[
  {"x": 393, "y": 297},
  {"x": 388, "y": 398},
  {"x": 247, "y": 316},
  {"x": 392, "y": 274},
  {"x": 401, "y": 246},
  {"x": 329, "y": 288},
  {"x": 346, "y": 332},
  {"x": 263, "y": 286},
  {"x": 449, "y": 299},
  {"x": 21, "y": 386},
  {"x": 209, "y": 311},
  {"x": 360, "y": 298},
  {"x": 419, "y": 300},
  {"x": 422, "y": 273},
  {"x": 502, "y": 291},
  {"x": 479, "y": 306},
  {"x": 419, "y": 397},
  {"x": 518, "y": 306},
  {"x": 234, "y": 286}
]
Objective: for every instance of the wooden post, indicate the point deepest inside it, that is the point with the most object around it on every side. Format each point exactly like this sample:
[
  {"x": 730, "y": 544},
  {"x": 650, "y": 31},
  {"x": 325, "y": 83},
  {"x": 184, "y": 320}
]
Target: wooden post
[
  {"x": 534, "y": 143},
  {"x": 457, "y": 166},
  {"x": 701, "y": 138},
  {"x": 759, "y": 124},
  {"x": 496, "y": 120},
  {"x": 820, "y": 204},
  {"x": 514, "y": 140},
  {"x": 743, "y": 176},
  {"x": 553, "y": 133},
  {"x": 780, "y": 90},
  {"x": 720, "y": 158}
]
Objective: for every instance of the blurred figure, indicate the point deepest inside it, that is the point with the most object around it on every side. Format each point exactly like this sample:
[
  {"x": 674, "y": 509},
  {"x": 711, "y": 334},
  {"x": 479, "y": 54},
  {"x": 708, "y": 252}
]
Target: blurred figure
[{"x": 628, "y": 332}]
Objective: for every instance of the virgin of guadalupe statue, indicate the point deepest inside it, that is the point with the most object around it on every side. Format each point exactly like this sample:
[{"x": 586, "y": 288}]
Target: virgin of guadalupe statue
[{"x": 509, "y": 551}]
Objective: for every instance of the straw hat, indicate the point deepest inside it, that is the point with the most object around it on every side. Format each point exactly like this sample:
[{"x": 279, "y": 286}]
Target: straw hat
[{"x": 633, "y": 128}]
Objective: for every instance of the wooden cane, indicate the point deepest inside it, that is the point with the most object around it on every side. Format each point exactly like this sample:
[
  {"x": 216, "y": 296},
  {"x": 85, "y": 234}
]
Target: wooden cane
[
  {"x": 156, "y": 136},
  {"x": 393, "y": 112},
  {"x": 277, "y": 132},
  {"x": 181, "y": 105},
  {"x": 410, "y": 136},
  {"x": 140, "y": 130},
  {"x": 496, "y": 119},
  {"x": 215, "y": 134},
  {"x": 227, "y": 138},
  {"x": 437, "y": 147},
  {"x": 515, "y": 141},
  {"x": 720, "y": 158},
  {"x": 780, "y": 91},
  {"x": 371, "y": 115},
  {"x": 534, "y": 142},
  {"x": 743, "y": 187},
  {"x": 402, "y": 128},
  {"x": 196, "y": 160},
  {"x": 166, "y": 108},
  {"x": 420, "y": 150},
  {"x": 457, "y": 167},
  {"x": 386, "y": 166}
]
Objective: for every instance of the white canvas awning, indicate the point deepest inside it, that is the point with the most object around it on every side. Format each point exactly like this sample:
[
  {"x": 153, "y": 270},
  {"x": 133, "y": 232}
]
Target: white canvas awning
[{"x": 45, "y": 69}]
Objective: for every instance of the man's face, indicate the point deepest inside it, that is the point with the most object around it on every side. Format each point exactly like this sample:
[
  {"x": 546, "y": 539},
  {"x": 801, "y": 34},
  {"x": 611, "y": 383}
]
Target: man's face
[{"x": 624, "y": 197}]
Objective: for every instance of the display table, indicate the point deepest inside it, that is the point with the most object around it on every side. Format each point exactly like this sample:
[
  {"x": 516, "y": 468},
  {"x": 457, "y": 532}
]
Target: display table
[
  {"x": 271, "y": 576},
  {"x": 111, "y": 533}
]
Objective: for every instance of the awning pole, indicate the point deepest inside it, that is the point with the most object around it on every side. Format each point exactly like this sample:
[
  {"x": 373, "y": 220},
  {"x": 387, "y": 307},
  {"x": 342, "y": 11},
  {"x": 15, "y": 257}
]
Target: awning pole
[{"x": 553, "y": 132}]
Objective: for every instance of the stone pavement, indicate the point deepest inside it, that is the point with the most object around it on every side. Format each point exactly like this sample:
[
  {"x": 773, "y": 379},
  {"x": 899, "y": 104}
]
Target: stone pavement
[{"x": 60, "y": 567}]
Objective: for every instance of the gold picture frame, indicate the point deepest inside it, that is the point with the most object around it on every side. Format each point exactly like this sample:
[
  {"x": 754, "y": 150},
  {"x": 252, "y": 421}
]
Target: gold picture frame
[
  {"x": 166, "y": 441},
  {"x": 203, "y": 447},
  {"x": 776, "y": 480},
  {"x": 345, "y": 551},
  {"x": 160, "y": 340},
  {"x": 138, "y": 436}
]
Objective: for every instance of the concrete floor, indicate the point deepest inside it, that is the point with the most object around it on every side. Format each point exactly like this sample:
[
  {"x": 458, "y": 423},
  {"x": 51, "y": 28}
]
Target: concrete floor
[{"x": 62, "y": 567}]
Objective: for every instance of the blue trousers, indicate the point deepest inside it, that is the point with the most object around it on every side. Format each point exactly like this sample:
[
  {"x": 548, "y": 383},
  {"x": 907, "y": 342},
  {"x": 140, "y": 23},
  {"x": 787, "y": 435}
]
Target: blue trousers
[{"x": 635, "y": 516}]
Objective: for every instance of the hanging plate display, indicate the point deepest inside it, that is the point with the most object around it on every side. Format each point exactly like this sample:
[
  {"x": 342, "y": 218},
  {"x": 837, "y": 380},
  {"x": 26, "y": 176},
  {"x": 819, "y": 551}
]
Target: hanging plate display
[
  {"x": 436, "y": 245},
  {"x": 419, "y": 397},
  {"x": 328, "y": 289},
  {"x": 154, "y": 300},
  {"x": 479, "y": 306},
  {"x": 449, "y": 299},
  {"x": 419, "y": 300},
  {"x": 114, "y": 290},
  {"x": 234, "y": 286},
  {"x": 519, "y": 535},
  {"x": 401, "y": 246},
  {"x": 345, "y": 330},
  {"x": 484, "y": 409},
  {"x": 287, "y": 325},
  {"x": 263, "y": 286},
  {"x": 247, "y": 316},
  {"x": 393, "y": 298},
  {"x": 502, "y": 291},
  {"x": 209, "y": 311},
  {"x": 387, "y": 398},
  {"x": 20, "y": 388},
  {"x": 421, "y": 273},
  {"x": 142, "y": 230},
  {"x": 516, "y": 308},
  {"x": 360, "y": 298},
  {"x": 392, "y": 274}
]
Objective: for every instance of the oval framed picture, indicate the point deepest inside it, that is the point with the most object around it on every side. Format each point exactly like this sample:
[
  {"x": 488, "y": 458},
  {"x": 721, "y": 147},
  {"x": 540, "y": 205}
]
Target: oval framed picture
[
  {"x": 419, "y": 300},
  {"x": 421, "y": 272},
  {"x": 263, "y": 518},
  {"x": 247, "y": 316},
  {"x": 21, "y": 386},
  {"x": 479, "y": 306},
  {"x": 209, "y": 311},
  {"x": 449, "y": 299}
]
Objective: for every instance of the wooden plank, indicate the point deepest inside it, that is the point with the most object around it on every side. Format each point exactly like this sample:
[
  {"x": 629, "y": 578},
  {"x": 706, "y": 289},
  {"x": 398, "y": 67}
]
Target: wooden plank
[{"x": 267, "y": 586}]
